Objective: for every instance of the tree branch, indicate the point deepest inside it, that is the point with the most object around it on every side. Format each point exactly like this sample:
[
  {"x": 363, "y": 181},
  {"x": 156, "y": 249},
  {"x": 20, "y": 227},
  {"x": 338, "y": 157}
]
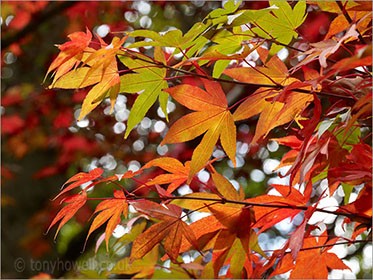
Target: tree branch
[
  {"x": 332, "y": 245},
  {"x": 350, "y": 21},
  {"x": 277, "y": 87},
  {"x": 51, "y": 10},
  {"x": 224, "y": 201}
]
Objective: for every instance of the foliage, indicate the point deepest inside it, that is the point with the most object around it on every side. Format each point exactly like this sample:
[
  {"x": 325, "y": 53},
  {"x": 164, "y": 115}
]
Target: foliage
[{"x": 227, "y": 70}]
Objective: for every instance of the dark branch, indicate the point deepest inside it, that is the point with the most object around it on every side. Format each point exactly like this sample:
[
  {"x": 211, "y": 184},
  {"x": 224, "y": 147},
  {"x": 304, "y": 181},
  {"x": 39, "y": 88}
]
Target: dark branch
[
  {"x": 332, "y": 245},
  {"x": 223, "y": 201},
  {"x": 39, "y": 18},
  {"x": 349, "y": 19},
  {"x": 276, "y": 87}
]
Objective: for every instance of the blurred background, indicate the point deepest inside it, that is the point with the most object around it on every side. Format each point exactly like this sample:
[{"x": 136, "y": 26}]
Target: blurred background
[{"x": 43, "y": 144}]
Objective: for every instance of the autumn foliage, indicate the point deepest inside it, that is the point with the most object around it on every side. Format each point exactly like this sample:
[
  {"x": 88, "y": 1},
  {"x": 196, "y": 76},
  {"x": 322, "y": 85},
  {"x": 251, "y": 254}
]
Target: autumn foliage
[{"x": 227, "y": 71}]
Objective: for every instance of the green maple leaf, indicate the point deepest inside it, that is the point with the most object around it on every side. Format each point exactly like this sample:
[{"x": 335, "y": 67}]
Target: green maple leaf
[
  {"x": 282, "y": 24},
  {"x": 149, "y": 80}
]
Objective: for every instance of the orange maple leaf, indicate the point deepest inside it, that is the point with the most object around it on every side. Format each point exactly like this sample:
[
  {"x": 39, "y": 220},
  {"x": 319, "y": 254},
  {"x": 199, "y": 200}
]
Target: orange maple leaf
[
  {"x": 177, "y": 176},
  {"x": 275, "y": 107},
  {"x": 76, "y": 202},
  {"x": 81, "y": 178},
  {"x": 268, "y": 217},
  {"x": 318, "y": 259},
  {"x": 228, "y": 231},
  {"x": 71, "y": 53},
  {"x": 212, "y": 116},
  {"x": 99, "y": 69},
  {"x": 109, "y": 210},
  {"x": 171, "y": 229}
]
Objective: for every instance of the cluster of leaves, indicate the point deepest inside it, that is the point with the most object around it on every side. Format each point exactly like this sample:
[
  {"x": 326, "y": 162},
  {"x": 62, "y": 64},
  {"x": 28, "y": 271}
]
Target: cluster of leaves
[{"x": 327, "y": 111}]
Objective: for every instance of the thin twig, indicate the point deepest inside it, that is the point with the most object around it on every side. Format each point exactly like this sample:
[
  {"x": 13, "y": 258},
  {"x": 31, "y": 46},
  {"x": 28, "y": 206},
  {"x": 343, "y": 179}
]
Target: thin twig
[
  {"x": 224, "y": 201},
  {"x": 349, "y": 19},
  {"x": 273, "y": 40},
  {"x": 331, "y": 245},
  {"x": 277, "y": 87}
]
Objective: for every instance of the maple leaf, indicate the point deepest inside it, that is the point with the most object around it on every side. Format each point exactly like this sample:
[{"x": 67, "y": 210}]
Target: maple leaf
[
  {"x": 171, "y": 229},
  {"x": 282, "y": 23},
  {"x": 228, "y": 231},
  {"x": 76, "y": 202},
  {"x": 225, "y": 188},
  {"x": 191, "y": 42},
  {"x": 319, "y": 259},
  {"x": 109, "y": 210},
  {"x": 234, "y": 235},
  {"x": 355, "y": 9},
  {"x": 309, "y": 126},
  {"x": 212, "y": 116},
  {"x": 81, "y": 178},
  {"x": 340, "y": 23},
  {"x": 273, "y": 72},
  {"x": 101, "y": 72},
  {"x": 226, "y": 43},
  {"x": 108, "y": 82},
  {"x": 322, "y": 50},
  {"x": 363, "y": 57},
  {"x": 177, "y": 176},
  {"x": 285, "y": 104},
  {"x": 362, "y": 206},
  {"x": 71, "y": 53},
  {"x": 148, "y": 80},
  {"x": 268, "y": 217},
  {"x": 362, "y": 109},
  {"x": 332, "y": 6}
]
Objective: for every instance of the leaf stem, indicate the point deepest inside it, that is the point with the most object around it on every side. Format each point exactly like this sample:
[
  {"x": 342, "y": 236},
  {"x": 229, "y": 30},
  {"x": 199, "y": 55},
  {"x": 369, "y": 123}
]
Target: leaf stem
[{"x": 115, "y": 183}]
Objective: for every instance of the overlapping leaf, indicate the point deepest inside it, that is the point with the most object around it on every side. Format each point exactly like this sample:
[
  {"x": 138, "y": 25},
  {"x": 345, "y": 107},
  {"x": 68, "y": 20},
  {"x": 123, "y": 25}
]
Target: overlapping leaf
[
  {"x": 274, "y": 71},
  {"x": 282, "y": 24},
  {"x": 225, "y": 187},
  {"x": 318, "y": 259},
  {"x": 229, "y": 227},
  {"x": 322, "y": 50},
  {"x": 172, "y": 38},
  {"x": 76, "y": 202},
  {"x": 81, "y": 178},
  {"x": 171, "y": 229},
  {"x": 226, "y": 43},
  {"x": 101, "y": 72},
  {"x": 275, "y": 108},
  {"x": 212, "y": 116},
  {"x": 110, "y": 211},
  {"x": 268, "y": 217},
  {"x": 71, "y": 53},
  {"x": 355, "y": 9},
  {"x": 228, "y": 230},
  {"x": 177, "y": 176}
]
